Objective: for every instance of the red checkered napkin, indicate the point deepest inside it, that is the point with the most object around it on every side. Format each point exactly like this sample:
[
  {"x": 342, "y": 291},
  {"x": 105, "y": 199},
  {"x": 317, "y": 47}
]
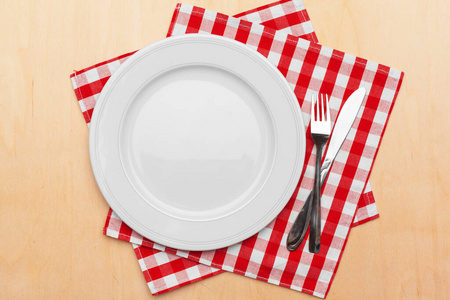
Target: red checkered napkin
[{"x": 169, "y": 272}]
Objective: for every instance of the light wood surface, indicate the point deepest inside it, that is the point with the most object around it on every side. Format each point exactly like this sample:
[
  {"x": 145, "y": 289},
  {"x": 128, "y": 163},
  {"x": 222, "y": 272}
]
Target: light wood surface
[{"x": 52, "y": 213}]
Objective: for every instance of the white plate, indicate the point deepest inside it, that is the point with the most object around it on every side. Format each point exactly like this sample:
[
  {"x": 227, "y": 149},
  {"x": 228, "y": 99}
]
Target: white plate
[{"x": 197, "y": 142}]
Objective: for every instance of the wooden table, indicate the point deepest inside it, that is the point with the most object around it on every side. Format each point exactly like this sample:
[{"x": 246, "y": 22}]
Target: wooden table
[{"x": 52, "y": 213}]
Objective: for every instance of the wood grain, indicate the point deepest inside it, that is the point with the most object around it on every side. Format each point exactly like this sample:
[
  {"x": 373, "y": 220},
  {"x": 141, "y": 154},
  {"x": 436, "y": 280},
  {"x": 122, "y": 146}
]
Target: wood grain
[{"x": 51, "y": 211}]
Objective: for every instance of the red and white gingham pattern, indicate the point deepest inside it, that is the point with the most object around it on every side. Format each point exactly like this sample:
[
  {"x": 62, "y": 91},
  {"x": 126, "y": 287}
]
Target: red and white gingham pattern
[
  {"x": 172, "y": 271},
  {"x": 288, "y": 16},
  {"x": 367, "y": 209},
  {"x": 98, "y": 79}
]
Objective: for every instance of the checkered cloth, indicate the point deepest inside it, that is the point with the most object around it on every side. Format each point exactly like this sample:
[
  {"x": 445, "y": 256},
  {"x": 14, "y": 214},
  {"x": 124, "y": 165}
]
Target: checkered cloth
[{"x": 261, "y": 256}]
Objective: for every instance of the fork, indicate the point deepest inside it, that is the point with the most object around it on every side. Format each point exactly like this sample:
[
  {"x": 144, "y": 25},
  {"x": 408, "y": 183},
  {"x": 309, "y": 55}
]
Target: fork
[{"x": 320, "y": 133}]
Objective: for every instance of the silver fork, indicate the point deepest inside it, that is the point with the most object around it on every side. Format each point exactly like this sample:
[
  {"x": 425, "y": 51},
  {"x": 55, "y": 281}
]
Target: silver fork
[{"x": 320, "y": 133}]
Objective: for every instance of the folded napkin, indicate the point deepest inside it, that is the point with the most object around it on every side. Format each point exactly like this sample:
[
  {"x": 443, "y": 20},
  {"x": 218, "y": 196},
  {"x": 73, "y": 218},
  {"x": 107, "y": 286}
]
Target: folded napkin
[
  {"x": 88, "y": 84},
  {"x": 164, "y": 271}
]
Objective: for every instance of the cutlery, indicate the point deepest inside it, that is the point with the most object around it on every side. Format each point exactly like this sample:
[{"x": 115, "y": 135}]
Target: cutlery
[
  {"x": 320, "y": 133},
  {"x": 341, "y": 128}
]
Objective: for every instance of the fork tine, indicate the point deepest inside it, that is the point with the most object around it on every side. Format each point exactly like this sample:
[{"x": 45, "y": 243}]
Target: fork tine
[
  {"x": 317, "y": 108},
  {"x": 312, "y": 107},
  {"x": 328, "y": 110},
  {"x": 322, "y": 109}
]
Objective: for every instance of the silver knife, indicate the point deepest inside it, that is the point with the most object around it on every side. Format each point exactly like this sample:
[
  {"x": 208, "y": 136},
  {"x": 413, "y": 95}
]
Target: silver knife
[{"x": 341, "y": 129}]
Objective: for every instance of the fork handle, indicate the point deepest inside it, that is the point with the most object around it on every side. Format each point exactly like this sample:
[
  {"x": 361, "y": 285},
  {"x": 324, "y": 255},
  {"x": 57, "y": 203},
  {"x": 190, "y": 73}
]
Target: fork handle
[{"x": 315, "y": 227}]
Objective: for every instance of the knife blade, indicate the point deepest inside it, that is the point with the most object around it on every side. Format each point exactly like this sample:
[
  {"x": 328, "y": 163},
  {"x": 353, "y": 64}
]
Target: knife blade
[{"x": 342, "y": 127}]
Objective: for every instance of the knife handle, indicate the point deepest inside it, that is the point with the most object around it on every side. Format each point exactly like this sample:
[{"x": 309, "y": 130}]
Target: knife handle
[
  {"x": 300, "y": 226},
  {"x": 315, "y": 229}
]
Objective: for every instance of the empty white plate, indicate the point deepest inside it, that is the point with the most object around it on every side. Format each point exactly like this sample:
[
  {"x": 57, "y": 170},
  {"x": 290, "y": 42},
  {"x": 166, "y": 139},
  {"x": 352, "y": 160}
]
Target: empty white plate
[{"x": 197, "y": 142}]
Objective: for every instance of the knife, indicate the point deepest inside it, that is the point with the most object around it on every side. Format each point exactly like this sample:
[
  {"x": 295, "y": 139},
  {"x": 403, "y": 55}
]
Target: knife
[{"x": 341, "y": 129}]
